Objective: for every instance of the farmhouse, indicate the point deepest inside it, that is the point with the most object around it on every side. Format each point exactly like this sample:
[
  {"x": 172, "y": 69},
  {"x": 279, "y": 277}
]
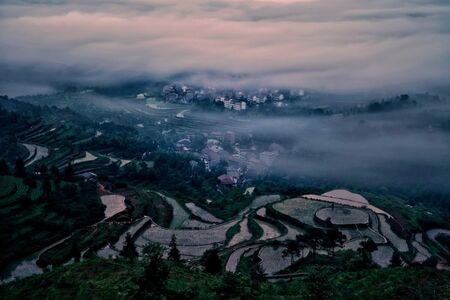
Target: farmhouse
[
  {"x": 89, "y": 177},
  {"x": 226, "y": 180},
  {"x": 234, "y": 173}
]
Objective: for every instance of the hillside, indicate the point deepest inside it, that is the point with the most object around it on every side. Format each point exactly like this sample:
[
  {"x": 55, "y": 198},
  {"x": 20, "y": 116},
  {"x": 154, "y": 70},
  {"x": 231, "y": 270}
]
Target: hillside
[{"x": 119, "y": 279}]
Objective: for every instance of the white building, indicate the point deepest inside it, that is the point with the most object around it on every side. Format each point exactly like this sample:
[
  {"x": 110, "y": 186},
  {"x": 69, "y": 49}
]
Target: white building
[
  {"x": 228, "y": 104},
  {"x": 140, "y": 96},
  {"x": 236, "y": 106}
]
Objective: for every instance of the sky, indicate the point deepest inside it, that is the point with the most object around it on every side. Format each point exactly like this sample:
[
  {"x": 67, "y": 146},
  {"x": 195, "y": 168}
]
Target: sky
[{"x": 331, "y": 45}]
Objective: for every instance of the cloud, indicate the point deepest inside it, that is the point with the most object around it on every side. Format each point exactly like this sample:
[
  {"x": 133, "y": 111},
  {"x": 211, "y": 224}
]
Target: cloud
[{"x": 344, "y": 45}]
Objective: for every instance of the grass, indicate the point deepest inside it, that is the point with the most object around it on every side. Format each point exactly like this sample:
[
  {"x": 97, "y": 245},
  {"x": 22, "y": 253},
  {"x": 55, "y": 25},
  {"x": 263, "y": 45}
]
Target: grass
[
  {"x": 29, "y": 226},
  {"x": 444, "y": 240},
  {"x": 254, "y": 228},
  {"x": 412, "y": 218},
  {"x": 179, "y": 213},
  {"x": 13, "y": 188},
  {"x": 149, "y": 203},
  {"x": 93, "y": 238},
  {"x": 232, "y": 231},
  {"x": 116, "y": 279},
  {"x": 90, "y": 165},
  {"x": 8, "y": 186},
  {"x": 60, "y": 157}
]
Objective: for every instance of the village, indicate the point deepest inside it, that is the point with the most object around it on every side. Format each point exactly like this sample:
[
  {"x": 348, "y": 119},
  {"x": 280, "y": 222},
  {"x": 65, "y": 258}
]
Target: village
[
  {"x": 230, "y": 99},
  {"x": 222, "y": 148}
]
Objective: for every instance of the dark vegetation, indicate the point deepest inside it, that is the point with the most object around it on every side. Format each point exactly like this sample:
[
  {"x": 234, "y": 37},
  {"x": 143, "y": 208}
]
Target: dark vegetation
[
  {"x": 174, "y": 174},
  {"x": 444, "y": 240},
  {"x": 155, "y": 278},
  {"x": 39, "y": 210},
  {"x": 45, "y": 202}
]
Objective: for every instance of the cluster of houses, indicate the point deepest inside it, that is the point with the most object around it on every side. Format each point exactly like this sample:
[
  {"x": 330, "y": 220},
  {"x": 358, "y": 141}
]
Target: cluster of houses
[
  {"x": 231, "y": 103},
  {"x": 240, "y": 162},
  {"x": 231, "y": 99}
]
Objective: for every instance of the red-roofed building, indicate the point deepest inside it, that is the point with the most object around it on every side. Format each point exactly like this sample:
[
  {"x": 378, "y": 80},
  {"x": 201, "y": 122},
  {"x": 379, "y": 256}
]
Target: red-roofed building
[{"x": 226, "y": 180}]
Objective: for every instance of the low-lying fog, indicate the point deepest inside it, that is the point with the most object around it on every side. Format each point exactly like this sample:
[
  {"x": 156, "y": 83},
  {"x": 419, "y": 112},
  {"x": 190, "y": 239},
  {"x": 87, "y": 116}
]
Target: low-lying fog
[
  {"x": 404, "y": 148},
  {"x": 408, "y": 148}
]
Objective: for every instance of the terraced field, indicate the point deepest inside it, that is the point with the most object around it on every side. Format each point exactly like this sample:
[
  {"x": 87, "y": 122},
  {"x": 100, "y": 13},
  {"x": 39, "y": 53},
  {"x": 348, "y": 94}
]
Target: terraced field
[
  {"x": 202, "y": 214},
  {"x": 272, "y": 260},
  {"x": 91, "y": 165},
  {"x": 351, "y": 199},
  {"x": 87, "y": 157},
  {"x": 422, "y": 253},
  {"x": 353, "y": 244},
  {"x": 113, "y": 251},
  {"x": 114, "y": 204},
  {"x": 13, "y": 188},
  {"x": 261, "y": 201},
  {"x": 234, "y": 258},
  {"x": 34, "y": 225},
  {"x": 186, "y": 237},
  {"x": 261, "y": 212},
  {"x": 195, "y": 224},
  {"x": 386, "y": 230},
  {"x": 343, "y": 216},
  {"x": 300, "y": 208},
  {"x": 179, "y": 214},
  {"x": 292, "y": 232},
  {"x": 243, "y": 234},
  {"x": 347, "y": 195},
  {"x": 269, "y": 231},
  {"x": 36, "y": 153},
  {"x": 383, "y": 255},
  {"x": 373, "y": 235}
]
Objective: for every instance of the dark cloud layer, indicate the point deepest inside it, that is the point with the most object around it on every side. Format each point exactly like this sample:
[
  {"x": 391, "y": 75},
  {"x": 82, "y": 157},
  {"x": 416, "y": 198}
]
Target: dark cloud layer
[{"x": 345, "y": 45}]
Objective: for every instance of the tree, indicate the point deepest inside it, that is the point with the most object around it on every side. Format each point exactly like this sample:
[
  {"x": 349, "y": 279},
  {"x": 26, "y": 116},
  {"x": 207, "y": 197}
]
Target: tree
[
  {"x": 25, "y": 200},
  {"x": 152, "y": 282},
  {"x": 293, "y": 249},
  {"x": 54, "y": 171},
  {"x": 332, "y": 239},
  {"x": 75, "y": 251},
  {"x": 396, "y": 261},
  {"x": 69, "y": 173},
  {"x": 211, "y": 261},
  {"x": 43, "y": 169},
  {"x": 318, "y": 285},
  {"x": 312, "y": 238},
  {"x": 19, "y": 168},
  {"x": 367, "y": 247},
  {"x": 56, "y": 175},
  {"x": 174, "y": 253},
  {"x": 257, "y": 274},
  {"x": 47, "y": 186},
  {"x": 4, "y": 169},
  {"x": 129, "y": 249},
  {"x": 230, "y": 287},
  {"x": 30, "y": 182}
]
